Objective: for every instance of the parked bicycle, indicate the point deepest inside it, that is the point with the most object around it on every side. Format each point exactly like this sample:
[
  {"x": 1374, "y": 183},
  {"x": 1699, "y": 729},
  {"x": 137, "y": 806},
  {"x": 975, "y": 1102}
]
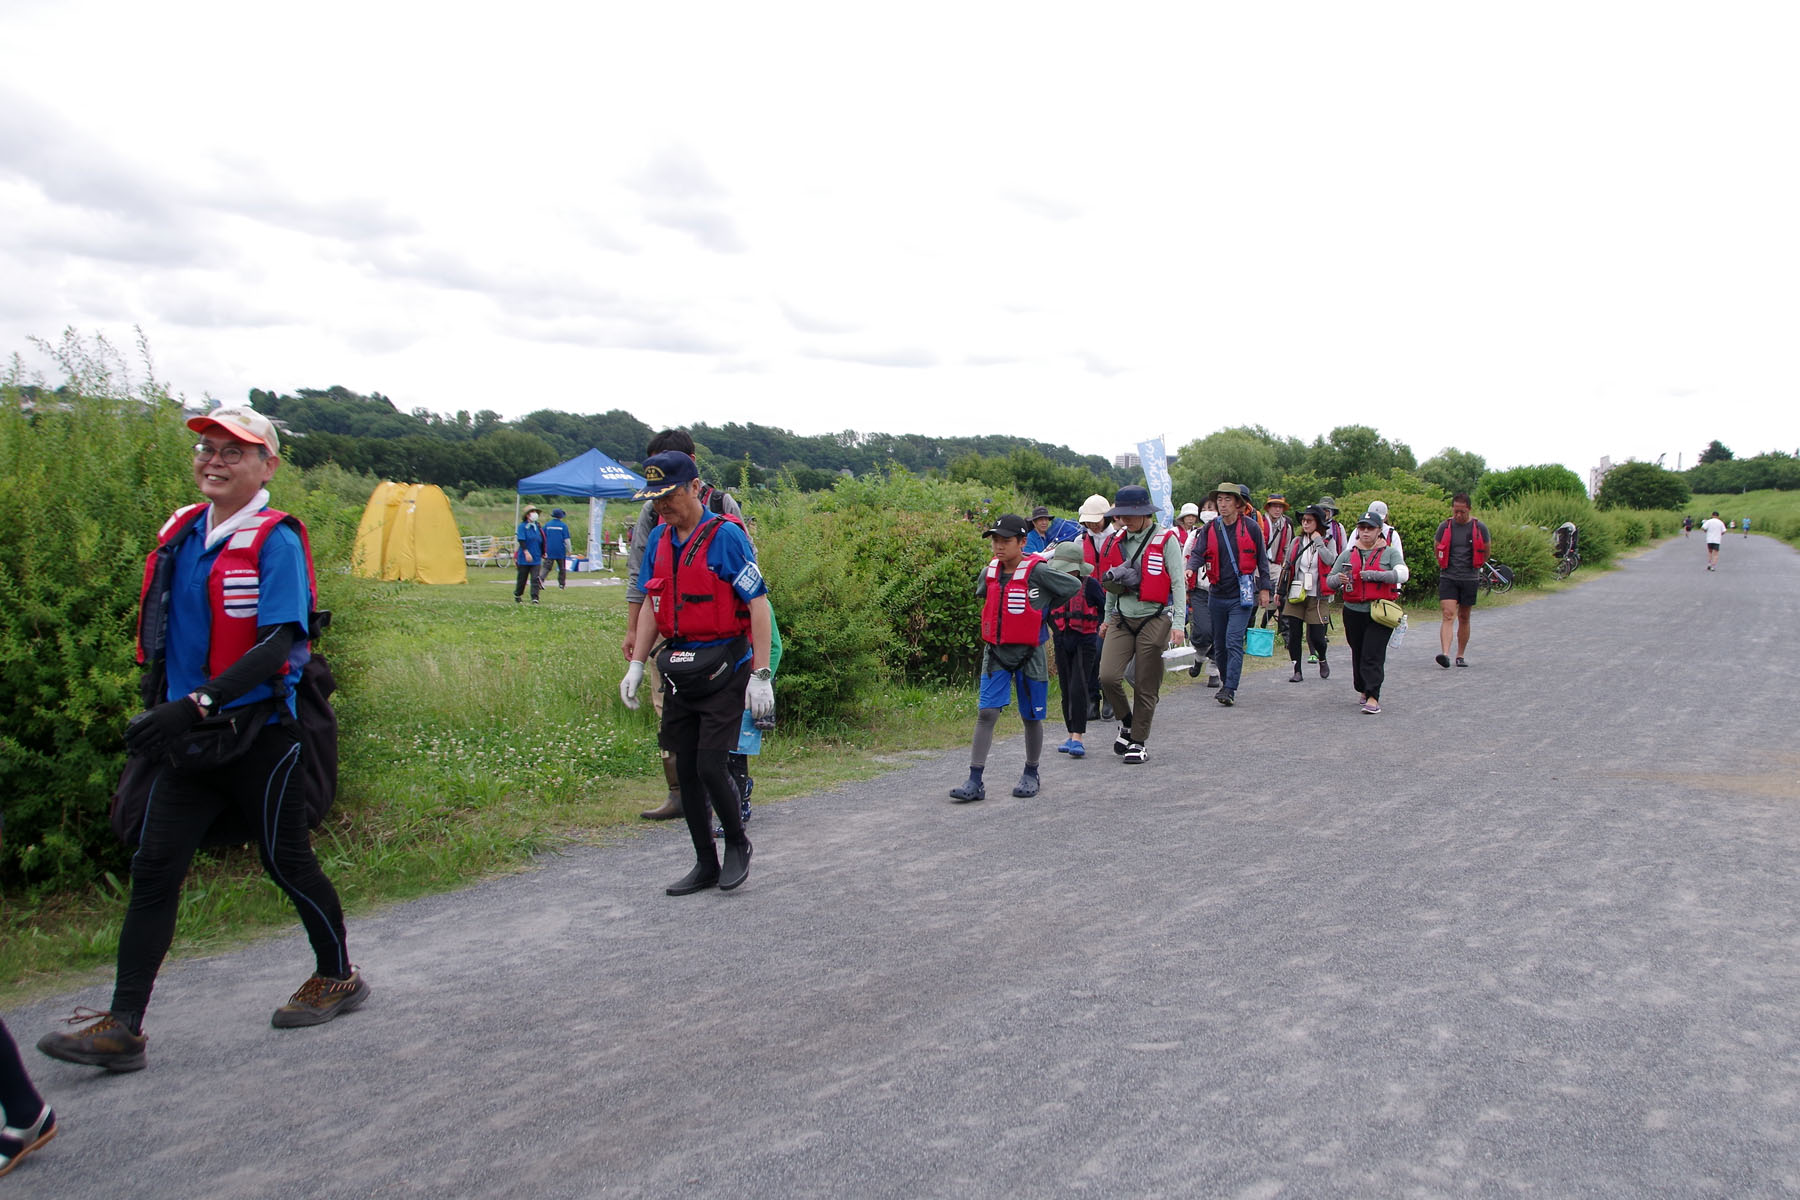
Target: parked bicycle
[
  {"x": 1565, "y": 543},
  {"x": 1494, "y": 577}
]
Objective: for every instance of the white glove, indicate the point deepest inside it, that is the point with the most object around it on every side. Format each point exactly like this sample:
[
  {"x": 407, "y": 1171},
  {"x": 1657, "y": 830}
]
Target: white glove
[
  {"x": 760, "y": 698},
  {"x": 628, "y": 686}
]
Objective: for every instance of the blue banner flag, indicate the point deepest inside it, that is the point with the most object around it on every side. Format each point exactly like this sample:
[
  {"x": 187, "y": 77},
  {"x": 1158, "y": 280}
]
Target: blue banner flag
[{"x": 1156, "y": 477}]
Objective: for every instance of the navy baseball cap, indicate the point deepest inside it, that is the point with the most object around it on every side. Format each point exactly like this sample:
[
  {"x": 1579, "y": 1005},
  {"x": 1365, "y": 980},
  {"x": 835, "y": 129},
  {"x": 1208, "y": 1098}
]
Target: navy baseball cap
[{"x": 665, "y": 472}]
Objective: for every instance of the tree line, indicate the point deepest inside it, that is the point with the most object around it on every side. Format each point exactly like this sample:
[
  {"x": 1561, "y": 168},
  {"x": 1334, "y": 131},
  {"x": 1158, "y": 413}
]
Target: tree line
[{"x": 468, "y": 450}]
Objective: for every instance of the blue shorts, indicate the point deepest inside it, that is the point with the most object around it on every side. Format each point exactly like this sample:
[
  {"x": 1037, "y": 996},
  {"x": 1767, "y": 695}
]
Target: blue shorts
[{"x": 1034, "y": 694}]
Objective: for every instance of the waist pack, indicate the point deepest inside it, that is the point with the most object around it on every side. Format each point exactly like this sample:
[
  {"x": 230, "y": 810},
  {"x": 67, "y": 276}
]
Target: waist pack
[
  {"x": 1386, "y": 612},
  {"x": 694, "y": 673},
  {"x": 227, "y": 736}
]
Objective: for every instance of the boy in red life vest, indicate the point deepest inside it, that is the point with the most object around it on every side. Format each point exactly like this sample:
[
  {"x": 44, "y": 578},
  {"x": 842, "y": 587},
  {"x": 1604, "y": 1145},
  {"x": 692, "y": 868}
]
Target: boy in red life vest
[
  {"x": 1462, "y": 546},
  {"x": 1015, "y": 589},
  {"x": 1076, "y": 623},
  {"x": 1096, "y": 527},
  {"x": 709, "y": 609},
  {"x": 230, "y": 621},
  {"x": 1146, "y": 607}
]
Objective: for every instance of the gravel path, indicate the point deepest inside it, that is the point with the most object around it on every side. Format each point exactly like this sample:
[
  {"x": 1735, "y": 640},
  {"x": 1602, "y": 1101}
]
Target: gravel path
[{"x": 1531, "y": 931}]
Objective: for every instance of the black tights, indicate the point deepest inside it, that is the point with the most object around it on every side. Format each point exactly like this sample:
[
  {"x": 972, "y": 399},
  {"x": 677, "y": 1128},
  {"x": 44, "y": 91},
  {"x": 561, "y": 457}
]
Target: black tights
[
  {"x": 707, "y": 789},
  {"x": 20, "y": 1100},
  {"x": 263, "y": 790},
  {"x": 1315, "y": 638}
]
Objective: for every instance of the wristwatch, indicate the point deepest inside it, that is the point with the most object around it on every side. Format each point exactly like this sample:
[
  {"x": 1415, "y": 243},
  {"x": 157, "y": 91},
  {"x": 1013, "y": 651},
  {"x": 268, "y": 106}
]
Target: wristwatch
[
  {"x": 204, "y": 701},
  {"x": 762, "y": 673}
]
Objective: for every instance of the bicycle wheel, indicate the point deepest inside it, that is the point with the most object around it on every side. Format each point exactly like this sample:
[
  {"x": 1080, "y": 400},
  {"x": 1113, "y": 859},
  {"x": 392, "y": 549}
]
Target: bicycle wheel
[
  {"x": 1563, "y": 567},
  {"x": 1503, "y": 577}
]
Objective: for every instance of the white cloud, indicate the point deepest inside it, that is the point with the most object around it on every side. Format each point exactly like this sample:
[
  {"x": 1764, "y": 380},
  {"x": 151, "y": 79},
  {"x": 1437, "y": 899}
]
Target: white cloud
[{"x": 1517, "y": 231}]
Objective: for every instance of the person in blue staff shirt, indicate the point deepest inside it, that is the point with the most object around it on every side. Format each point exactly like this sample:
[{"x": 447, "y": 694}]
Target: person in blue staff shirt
[
  {"x": 232, "y": 616},
  {"x": 709, "y": 607},
  {"x": 557, "y": 542},
  {"x": 529, "y": 557}
]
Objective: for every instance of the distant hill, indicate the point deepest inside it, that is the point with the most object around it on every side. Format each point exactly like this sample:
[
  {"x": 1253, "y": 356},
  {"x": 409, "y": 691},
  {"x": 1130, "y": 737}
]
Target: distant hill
[{"x": 479, "y": 449}]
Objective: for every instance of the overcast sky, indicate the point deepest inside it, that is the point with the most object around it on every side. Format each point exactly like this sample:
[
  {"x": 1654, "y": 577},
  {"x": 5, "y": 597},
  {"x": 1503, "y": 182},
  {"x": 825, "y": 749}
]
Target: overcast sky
[{"x": 1538, "y": 231}]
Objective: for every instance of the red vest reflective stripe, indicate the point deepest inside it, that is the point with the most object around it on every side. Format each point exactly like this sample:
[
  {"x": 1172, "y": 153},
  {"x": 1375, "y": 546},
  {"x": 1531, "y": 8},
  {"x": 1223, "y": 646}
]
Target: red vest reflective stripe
[
  {"x": 1246, "y": 548},
  {"x": 691, "y": 603},
  {"x": 1076, "y": 615},
  {"x": 1361, "y": 590},
  {"x": 1479, "y": 536},
  {"x": 1154, "y": 585},
  {"x": 1007, "y": 617},
  {"x": 232, "y": 585}
]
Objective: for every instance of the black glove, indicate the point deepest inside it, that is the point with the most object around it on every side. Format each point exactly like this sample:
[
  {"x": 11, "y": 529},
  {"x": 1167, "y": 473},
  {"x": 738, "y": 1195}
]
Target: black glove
[{"x": 150, "y": 732}]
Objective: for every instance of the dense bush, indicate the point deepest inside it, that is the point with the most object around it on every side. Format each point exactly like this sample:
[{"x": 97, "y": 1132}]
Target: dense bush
[
  {"x": 1501, "y": 487},
  {"x": 832, "y": 629},
  {"x": 1641, "y": 485}
]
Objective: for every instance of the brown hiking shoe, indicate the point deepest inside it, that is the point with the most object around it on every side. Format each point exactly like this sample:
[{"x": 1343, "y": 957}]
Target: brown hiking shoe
[
  {"x": 108, "y": 1042},
  {"x": 320, "y": 999}
]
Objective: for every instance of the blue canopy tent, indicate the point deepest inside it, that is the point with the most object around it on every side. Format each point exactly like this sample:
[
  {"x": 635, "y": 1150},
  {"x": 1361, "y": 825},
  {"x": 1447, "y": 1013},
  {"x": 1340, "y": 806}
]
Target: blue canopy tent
[{"x": 591, "y": 474}]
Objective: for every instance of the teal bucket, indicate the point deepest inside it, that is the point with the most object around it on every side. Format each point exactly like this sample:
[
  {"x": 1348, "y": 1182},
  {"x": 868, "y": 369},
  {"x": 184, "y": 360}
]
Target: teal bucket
[{"x": 1259, "y": 642}]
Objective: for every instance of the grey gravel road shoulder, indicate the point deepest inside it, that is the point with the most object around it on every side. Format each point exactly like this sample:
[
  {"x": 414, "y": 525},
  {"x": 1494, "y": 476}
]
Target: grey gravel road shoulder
[{"x": 1531, "y": 931}]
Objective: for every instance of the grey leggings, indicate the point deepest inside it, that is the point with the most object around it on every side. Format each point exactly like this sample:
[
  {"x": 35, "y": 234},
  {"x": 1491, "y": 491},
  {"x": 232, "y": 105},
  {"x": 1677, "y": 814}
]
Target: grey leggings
[{"x": 985, "y": 721}]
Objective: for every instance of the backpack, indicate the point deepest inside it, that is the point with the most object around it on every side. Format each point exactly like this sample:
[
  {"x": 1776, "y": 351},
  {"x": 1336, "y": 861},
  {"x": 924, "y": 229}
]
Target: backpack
[{"x": 314, "y": 726}]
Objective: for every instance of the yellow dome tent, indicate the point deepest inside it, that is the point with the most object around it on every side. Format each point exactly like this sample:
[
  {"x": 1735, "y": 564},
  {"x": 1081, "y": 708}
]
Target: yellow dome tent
[{"x": 407, "y": 532}]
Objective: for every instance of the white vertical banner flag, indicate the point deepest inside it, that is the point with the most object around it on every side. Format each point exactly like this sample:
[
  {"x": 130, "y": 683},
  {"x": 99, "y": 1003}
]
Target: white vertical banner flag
[
  {"x": 1156, "y": 475},
  {"x": 596, "y": 541}
]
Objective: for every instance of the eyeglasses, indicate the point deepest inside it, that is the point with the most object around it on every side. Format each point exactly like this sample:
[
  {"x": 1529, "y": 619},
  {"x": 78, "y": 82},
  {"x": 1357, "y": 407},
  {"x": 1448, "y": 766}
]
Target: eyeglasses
[{"x": 231, "y": 453}]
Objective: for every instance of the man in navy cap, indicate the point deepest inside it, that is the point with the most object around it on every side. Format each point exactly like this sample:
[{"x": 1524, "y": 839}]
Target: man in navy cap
[
  {"x": 707, "y": 606},
  {"x": 557, "y": 540}
]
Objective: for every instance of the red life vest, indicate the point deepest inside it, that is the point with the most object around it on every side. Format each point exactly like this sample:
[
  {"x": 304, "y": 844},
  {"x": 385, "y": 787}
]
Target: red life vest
[
  {"x": 690, "y": 601},
  {"x": 1277, "y": 534},
  {"x": 1154, "y": 586},
  {"x": 1076, "y": 615},
  {"x": 1443, "y": 543},
  {"x": 1110, "y": 555},
  {"x": 1316, "y": 587},
  {"x": 1361, "y": 590},
  {"x": 232, "y": 586},
  {"x": 1215, "y": 538},
  {"x": 1007, "y": 616}
]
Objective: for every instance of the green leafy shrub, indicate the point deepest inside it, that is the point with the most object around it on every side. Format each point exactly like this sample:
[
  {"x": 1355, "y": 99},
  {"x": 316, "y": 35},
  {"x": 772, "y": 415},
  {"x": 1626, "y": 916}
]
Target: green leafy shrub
[
  {"x": 832, "y": 629},
  {"x": 84, "y": 486},
  {"x": 1525, "y": 549},
  {"x": 1501, "y": 487}
]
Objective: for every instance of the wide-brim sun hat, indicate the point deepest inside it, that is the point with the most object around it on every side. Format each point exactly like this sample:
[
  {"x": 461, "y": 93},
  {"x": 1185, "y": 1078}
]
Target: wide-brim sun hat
[
  {"x": 1067, "y": 558},
  {"x": 1236, "y": 491},
  {"x": 1132, "y": 502},
  {"x": 1189, "y": 509},
  {"x": 1092, "y": 509}
]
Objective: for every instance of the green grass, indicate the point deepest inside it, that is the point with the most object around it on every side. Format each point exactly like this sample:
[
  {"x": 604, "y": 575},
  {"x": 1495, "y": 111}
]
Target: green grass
[{"x": 1771, "y": 512}]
